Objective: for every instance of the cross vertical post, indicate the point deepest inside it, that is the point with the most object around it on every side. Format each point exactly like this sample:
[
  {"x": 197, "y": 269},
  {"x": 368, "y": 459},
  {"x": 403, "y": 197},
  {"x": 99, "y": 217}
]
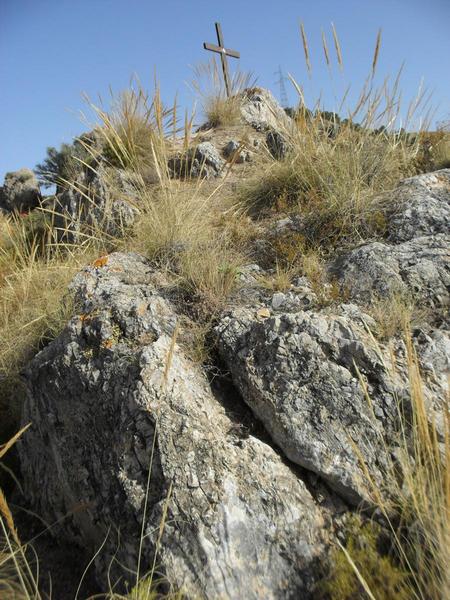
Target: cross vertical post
[{"x": 224, "y": 52}]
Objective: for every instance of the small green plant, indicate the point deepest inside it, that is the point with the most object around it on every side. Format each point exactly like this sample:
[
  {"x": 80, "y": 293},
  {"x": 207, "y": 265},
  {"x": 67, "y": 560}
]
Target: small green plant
[{"x": 373, "y": 569}]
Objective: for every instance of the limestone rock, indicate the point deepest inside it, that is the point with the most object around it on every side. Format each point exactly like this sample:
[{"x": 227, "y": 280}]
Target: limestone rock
[
  {"x": 260, "y": 110},
  {"x": 240, "y": 521},
  {"x": 277, "y": 144},
  {"x": 421, "y": 207},
  {"x": 91, "y": 204},
  {"x": 296, "y": 372},
  {"x": 415, "y": 259},
  {"x": 201, "y": 161},
  {"x": 235, "y": 153},
  {"x": 20, "y": 191},
  {"x": 419, "y": 268}
]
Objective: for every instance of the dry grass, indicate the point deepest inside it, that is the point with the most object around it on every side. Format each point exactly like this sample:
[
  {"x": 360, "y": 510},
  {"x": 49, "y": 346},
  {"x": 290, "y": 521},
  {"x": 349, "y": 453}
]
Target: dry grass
[
  {"x": 134, "y": 131},
  {"x": 434, "y": 151},
  {"x": 219, "y": 109},
  {"x": 334, "y": 182},
  {"x": 18, "y": 578},
  {"x": 421, "y": 499},
  {"x": 178, "y": 230},
  {"x": 278, "y": 280},
  {"x": 394, "y": 314},
  {"x": 414, "y": 502},
  {"x": 336, "y": 170},
  {"x": 34, "y": 303}
]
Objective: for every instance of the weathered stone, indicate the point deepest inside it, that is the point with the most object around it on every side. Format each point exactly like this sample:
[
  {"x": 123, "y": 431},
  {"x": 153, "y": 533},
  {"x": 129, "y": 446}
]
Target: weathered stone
[
  {"x": 20, "y": 191},
  {"x": 415, "y": 260},
  {"x": 235, "y": 152},
  {"x": 201, "y": 161},
  {"x": 260, "y": 110},
  {"x": 296, "y": 371},
  {"x": 277, "y": 144},
  {"x": 420, "y": 206},
  {"x": 240, "y": 522},
  {"x": 432, "y": 347},
  {"x": 419, "y": 268}
]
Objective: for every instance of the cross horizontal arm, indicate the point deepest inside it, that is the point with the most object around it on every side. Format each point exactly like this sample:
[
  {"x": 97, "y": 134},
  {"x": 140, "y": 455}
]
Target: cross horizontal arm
[{"x": 220, "y": 50}]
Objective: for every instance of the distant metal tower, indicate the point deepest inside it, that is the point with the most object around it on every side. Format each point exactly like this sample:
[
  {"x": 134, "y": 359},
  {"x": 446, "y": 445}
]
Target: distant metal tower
[{"x": 283, "y": 94}]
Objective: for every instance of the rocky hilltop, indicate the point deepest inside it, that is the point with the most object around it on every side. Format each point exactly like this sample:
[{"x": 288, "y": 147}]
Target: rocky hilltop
[{"x": 233, "y": 476}]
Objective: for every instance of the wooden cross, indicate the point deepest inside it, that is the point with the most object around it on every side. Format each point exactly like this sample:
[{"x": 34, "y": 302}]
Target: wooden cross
[{"x": 224, "y": 52}]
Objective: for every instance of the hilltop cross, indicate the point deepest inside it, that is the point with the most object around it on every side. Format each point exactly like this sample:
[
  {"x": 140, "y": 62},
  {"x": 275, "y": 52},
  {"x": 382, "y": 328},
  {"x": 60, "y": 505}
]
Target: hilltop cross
[{"x": 224, "y": 52}]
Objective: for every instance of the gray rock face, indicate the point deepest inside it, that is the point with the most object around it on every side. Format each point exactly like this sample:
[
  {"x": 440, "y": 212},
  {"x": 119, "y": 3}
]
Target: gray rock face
[
  {"x": 296, "y": 372},
  {"x": 234, "y": 152},
  {"x": 240, "y": 523},
  {"x": 260, "y": 110},
  {"x": 415, "y": 259},
  {"x": 201, "y": 161},
  {"x": 277, "y": 144},
  {"x": 90, "y": 204},
  {"x": 419, "y": 268},
  {"x": 20, "y": 191},
  {"x": 422, "y": 207}
]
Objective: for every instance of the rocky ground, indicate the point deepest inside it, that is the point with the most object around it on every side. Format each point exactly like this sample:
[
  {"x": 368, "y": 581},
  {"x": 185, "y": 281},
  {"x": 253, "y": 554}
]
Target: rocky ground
[{"x": 251, "y": 466}]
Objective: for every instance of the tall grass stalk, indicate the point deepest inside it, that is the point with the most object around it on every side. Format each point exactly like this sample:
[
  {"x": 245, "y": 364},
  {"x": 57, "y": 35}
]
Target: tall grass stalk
[
  {"x": 336, "y": 169},
  {"x": 415, "y": 497},
  {"x": 218, "y": 108},
  {"x": 19, "y": 579}
]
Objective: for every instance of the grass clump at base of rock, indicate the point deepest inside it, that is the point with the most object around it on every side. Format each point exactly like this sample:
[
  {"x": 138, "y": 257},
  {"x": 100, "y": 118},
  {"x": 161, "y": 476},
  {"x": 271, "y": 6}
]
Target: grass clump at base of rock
[
  {"x": 413, "y": 504},
  {"x": 408, "y": 557},
  {"x": 334, "y": 171},
  {"x": 219, "y": 108},
  {"x": 377, "y": 569},
  {"x": 394, "y": 314},
  {"x": 334, "y": 183}
]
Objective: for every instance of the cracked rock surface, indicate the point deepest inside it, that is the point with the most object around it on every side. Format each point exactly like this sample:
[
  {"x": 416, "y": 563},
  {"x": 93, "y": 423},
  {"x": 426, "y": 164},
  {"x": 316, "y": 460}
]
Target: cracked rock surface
[
  {"x": 414, "y": 260},
  {"x": 240, "y": 522}
]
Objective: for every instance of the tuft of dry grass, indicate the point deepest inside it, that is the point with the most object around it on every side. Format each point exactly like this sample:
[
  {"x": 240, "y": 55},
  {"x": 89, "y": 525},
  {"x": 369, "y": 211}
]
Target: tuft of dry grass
[
  {"x": 18, "y": 579},
  {"x": 336, "y": 170},
  {"x": 134, "y": 132},
  {"x": 280, "y": 279},
  {"x": 219, "y": 109},
  {"x": 414, "y": 500},
  {"x": 394, "y": 314},
  {"x": 34, "y": 305},
  {"x": 434, "y": 149}
]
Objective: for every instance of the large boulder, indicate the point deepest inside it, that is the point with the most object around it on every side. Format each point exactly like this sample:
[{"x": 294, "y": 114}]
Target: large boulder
[
  {"x": 260, "y": 110},
  {"x": 20, "y": 191},
  {"x": 239, "y": 520},
  {"x": 297, "y": 371},
  {"x": 419, "y": 268},
  {"x": 328, "y": 395},
  {"x": 414, "y": 260}
]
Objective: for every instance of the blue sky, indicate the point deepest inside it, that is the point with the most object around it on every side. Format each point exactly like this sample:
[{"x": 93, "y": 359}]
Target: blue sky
[{"x": 51, "y": 51}]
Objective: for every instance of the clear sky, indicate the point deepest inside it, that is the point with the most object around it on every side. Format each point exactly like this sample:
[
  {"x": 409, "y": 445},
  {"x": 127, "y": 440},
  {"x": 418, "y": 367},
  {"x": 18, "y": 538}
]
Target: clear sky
[{"x": 53, "y": 50}]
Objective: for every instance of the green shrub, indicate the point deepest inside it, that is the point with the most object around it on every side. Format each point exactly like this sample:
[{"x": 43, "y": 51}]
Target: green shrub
[
  {"x": 62, "y": 167},
  {"x": 383, "y": 577}
]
